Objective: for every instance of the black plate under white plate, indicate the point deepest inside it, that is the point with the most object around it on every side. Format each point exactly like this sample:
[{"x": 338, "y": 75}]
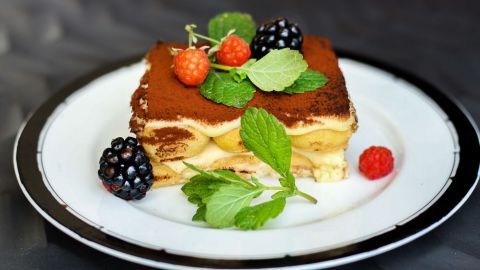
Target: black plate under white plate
[{"x": 434, "y": 141}]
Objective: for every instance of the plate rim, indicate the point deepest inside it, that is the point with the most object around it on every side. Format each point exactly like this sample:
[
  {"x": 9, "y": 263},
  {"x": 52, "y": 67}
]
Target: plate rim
[{"x": 41, "y": 199}]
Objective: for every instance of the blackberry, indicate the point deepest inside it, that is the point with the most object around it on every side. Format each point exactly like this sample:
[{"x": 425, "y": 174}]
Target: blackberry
[
  {"x": 125, "y": 170},
  {"x": 276, "y": 34}
]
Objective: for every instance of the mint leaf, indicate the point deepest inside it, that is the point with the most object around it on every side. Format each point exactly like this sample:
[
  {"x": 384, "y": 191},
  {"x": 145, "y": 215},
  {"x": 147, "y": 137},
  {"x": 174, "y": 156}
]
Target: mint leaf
[
  {"x": 309, "y": 80},
  {"x": 263, "y": 134},
  {"x": 226, "y": 202},
  {"x": 200, "y": 214},
  {"x": 220, "y": 175},
  {"x": 200, "y": 187},
  {"x": 240, "y": 74},
  {"x": 220, "y": 87},
  {"x": 251, "y": 218},
  {"x": 223, "y": 197},
  {"x": 276, "y": 70},
  {"x": 221, "y": 24}
]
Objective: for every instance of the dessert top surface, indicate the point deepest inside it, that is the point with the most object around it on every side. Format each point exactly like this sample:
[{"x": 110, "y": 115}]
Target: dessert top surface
[{"x": 169, "y": 100}]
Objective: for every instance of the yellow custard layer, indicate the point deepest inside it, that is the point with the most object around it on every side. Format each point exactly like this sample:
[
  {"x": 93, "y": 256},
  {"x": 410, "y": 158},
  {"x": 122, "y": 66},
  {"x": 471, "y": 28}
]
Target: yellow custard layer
[{"x": 319, "y": 153}]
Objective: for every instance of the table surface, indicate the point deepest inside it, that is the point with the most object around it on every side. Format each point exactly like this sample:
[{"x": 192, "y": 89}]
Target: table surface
[{"x": 46, "y": 44}]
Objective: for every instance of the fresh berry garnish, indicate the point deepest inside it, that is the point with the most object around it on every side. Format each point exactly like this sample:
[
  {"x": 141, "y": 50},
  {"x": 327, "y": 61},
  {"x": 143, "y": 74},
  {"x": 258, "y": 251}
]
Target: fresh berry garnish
[
  {"x": 191, "y": 66},
  {"x": 276, "y": 34},
  {"x": 234, "y": 51},
  {"x": 125, "y": 170},
  {"x": 376, "y": 162}
]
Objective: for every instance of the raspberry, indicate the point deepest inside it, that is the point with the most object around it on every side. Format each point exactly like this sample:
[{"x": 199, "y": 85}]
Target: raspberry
[
  {"x": 234, "y": 51},
  {"x": 376, "y": 162},
  {"x": 191, "y": 66}
]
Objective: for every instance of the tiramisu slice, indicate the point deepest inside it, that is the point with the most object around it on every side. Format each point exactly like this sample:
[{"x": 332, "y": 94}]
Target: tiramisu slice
[{"x": 175, "y": 123}]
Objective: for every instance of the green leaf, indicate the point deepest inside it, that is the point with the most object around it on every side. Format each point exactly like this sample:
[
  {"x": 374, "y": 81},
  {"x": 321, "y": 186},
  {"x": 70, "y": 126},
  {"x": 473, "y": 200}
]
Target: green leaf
[
  {"x": 200, "y": 187},
  {"x": 199, "y": 184},
  {"x": 226, "y": 202},
  {"x": 223, "y": 197},
  {"x": 221, "y": 175},
  {"x": 240, "y": 74},
  {"x": 251, "y": 218},
  {"x": 277, "y": 70},
  {"x": 221, "y": 24},
  {"x": 195, "y": 199},
  {"x": 220, "y": 87},
  {"x": 200, "y": 214},
  {"x": 263, "y": 134},
  {"x": 309, "y": 80}
]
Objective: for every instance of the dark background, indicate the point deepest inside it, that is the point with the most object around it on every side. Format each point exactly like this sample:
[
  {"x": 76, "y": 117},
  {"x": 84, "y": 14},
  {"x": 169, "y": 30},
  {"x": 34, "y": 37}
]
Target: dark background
[{"x": 45, "y": 44}]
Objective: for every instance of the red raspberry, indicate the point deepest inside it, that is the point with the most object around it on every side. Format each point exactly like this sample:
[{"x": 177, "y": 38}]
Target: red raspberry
[
  {"x": 234, "y": 52},
  {"x": 376, "y": 162},
  {"x": 191, "y": 66}
]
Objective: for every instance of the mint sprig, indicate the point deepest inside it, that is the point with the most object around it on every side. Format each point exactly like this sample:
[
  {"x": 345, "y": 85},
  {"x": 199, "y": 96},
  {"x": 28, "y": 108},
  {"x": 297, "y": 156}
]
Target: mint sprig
[
  {"x": 277, "y": 70},
  {"x": 281, "y": 70},
  {"x": 221, "y": 24},
  {"x": 223, "y": 198},
  {"x": 220, "y": 87}
]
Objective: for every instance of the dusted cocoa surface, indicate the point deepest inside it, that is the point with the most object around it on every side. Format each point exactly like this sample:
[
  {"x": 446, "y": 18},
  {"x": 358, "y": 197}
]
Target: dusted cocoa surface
[{"x": 169, "y": 99}]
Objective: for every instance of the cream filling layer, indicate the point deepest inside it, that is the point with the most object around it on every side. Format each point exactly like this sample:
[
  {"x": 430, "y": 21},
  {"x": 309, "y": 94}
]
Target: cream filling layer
[
  {"x": 213, "y": 152},
  {"x": 222, "y": 128}
]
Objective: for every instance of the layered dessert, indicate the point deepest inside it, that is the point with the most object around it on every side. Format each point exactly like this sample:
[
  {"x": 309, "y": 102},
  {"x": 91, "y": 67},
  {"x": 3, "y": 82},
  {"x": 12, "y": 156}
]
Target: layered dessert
[
  {"x": 230, "y": 106},
  {"x": 174, "y": 122}
]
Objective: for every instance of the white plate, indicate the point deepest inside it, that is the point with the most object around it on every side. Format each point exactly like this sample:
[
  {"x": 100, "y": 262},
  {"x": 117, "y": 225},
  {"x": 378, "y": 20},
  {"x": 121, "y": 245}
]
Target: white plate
[{"x": 354, "y": 218}]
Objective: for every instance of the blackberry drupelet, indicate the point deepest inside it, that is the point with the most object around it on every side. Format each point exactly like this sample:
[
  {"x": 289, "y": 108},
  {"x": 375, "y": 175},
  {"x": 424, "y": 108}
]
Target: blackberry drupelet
[
  {"x": 276, "y": 34},
  {"x": 125, "y": 170}
]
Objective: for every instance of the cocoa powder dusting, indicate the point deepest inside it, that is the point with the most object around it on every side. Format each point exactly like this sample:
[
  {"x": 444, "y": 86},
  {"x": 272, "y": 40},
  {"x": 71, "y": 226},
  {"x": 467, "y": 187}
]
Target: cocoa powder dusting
[
  {"x": 168, "y": 99},
  {"x": 167, "y": 136},
  {"x": 138, "y": 112},
  {"x": 168, "y": 141}
]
